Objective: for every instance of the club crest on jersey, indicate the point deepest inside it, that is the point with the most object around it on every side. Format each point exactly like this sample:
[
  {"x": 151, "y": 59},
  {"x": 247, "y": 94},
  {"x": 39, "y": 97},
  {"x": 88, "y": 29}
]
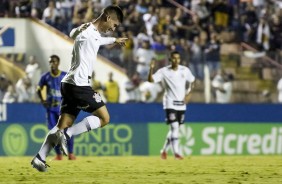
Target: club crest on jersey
[{"x": 97, "y": 97}]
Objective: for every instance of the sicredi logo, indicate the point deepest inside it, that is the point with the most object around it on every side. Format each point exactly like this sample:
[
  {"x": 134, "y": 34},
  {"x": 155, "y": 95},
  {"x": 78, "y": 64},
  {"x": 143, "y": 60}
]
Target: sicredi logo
[
  {"x": 219, "y": 142},
  {"x": 187, "y": 140},
  {"x": 15, "y": 140}
]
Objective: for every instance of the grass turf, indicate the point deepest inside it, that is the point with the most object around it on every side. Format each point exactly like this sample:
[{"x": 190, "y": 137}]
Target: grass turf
[{"x": 146, "y": 170}]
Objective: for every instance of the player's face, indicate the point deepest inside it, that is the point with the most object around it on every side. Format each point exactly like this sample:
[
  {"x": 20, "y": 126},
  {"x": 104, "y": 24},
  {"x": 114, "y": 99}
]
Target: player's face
[
  {"x": 111, "y": 24},
  {"x": 54, "y": 64},
  {"x": 175, "y": 60}
]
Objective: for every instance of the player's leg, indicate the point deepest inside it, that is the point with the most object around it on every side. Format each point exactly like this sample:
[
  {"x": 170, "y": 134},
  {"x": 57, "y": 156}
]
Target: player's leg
[
  {"x": 174, "y": 138},
  {"x": 70, "y": 143},
  {"x": 53, "y": 117},
  {"x": 99, "y": 119},
  {"x": 65, "y": 120},
  {"x": 38, "y": 162},
  {"x": 172, "y": 120},
  {"x": 90, "y": 101},
  {"x": 53, "y": 138},
  {"x": 170, "y": 117},
  {"x": 166, "y": 145},
  {"x": 180, "y": 120},
  {"x": 50, "y": 139}
]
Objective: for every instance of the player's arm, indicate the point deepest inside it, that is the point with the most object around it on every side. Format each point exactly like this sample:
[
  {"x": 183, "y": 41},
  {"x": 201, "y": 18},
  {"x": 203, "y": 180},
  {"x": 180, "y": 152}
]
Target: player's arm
[
  {"x": 39, "y": 94},
  {"x": 150, "y": 75},
  {"x": 74, "y": 32},
  {"x": 188, "y": 92},
  {"x": 112, "y": 40}
]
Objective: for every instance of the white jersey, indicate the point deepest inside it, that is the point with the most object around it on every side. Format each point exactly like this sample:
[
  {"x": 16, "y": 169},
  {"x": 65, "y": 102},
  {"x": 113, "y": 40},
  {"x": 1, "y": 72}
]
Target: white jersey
[
  {"x": 174, "y": 82},
  {"x": 84, "y": 55}
]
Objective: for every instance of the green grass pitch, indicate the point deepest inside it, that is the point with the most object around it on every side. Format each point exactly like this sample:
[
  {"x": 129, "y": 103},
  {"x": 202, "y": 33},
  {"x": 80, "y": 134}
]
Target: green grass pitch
[{"x": 146, "y": 170}]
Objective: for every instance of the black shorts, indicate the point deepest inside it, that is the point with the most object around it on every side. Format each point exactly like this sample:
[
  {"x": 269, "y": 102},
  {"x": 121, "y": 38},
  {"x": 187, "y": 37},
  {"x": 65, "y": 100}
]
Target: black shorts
[
  {"x": 174, "y": 116},
  {"x": 76, "y": 98}
]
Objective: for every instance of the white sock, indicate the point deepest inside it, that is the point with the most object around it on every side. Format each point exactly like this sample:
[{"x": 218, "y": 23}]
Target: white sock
[
  {"x": 174, "y": 137},
  {"x": 87, "y": 124},
  {"x": 167, "y": 142},
  {"x": 48, "y": 144}
]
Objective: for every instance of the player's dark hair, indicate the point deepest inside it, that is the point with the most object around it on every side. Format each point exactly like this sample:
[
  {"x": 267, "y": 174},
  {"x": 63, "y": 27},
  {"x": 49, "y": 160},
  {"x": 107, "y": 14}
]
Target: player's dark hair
[
  {"x": 55, "y": 57},
  {"x": 174, "y": 52},
  {"x": 114, "y": 9}
]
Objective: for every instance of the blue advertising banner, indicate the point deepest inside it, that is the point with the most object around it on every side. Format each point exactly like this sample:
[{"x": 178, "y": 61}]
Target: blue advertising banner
[
  {"x": 135, "y": 128},
  {"x": 142, "y": 113}
]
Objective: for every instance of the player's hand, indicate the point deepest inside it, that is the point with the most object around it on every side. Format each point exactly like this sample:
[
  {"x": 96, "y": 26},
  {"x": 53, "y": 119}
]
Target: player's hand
[
  {"x": 45, "y": 103},
  {"x": 152, "y": 64},
  {"x": 121, "y": 41}
]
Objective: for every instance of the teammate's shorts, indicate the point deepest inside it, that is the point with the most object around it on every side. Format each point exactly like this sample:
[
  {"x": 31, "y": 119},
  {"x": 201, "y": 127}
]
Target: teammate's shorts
[
  {"x": 76, "y": 98},
  {"x": 174, "y": 116}
]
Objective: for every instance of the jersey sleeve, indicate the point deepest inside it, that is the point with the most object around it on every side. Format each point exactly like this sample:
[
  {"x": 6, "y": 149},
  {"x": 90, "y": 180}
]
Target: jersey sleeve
[
  {"x": 107, "y": 40},
  {"x": 190, "y": 77}
]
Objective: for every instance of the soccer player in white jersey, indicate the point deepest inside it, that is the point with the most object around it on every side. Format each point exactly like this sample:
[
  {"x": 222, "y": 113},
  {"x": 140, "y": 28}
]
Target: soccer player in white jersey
[
  {"x": 76, "y": 90},
  {"x": 178, "y": 82}
]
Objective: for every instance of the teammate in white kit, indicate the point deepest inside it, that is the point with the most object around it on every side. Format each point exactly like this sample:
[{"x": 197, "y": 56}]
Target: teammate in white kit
[
  {"x": 76, "y": 90},
  {"x": 174, "y": 78}
]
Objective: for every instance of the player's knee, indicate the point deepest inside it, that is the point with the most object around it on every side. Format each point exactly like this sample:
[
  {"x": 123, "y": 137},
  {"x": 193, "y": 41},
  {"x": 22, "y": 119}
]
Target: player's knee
[
  {"x": 63, "y": 123},
  {"x": 105, "y": 121}
]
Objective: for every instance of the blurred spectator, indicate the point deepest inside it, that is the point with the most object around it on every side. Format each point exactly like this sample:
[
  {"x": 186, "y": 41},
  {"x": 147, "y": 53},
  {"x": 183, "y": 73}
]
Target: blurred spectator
[
  {"x": 127, "y": 53},
  {"x": 10, "y": 96},
  {"x": 249, "y": 20},
  {"x": 266, "y": 96},
  {"x": 263, "y": 34},
  {"x": 160, "y": 50},
  {"x": 25, "y": 91},
  {"x": 276, "y": 30},
  {"x": 222, "y": 84},
  {"x": 223, "y": 14},
  {"x": 111, "y": 90},
  {"x": 38, "y": 7},
  {"x": 132, "y": 88},
  {"x": 212, "y": 55},
  {"x": 4, "y": 8},
  {"x": 141, "y": 6},
  {"x": 142, "y": 37},
  {"x": 50, "y": 14},
  {"x": 4, "y": 83},
  {"x": 143, "y": 57},
  {"x": 196, "y": 60},
  {"x": 150, "y": 19},
  {"x": 33, "y": 71},
  {"x": 134, "y": 23},
  {"x": 23, "y": 8},
  {"x": 202, "y": 11},
  {"x": 66, "y": 8},
  {"x": 150, "y": 91}
]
